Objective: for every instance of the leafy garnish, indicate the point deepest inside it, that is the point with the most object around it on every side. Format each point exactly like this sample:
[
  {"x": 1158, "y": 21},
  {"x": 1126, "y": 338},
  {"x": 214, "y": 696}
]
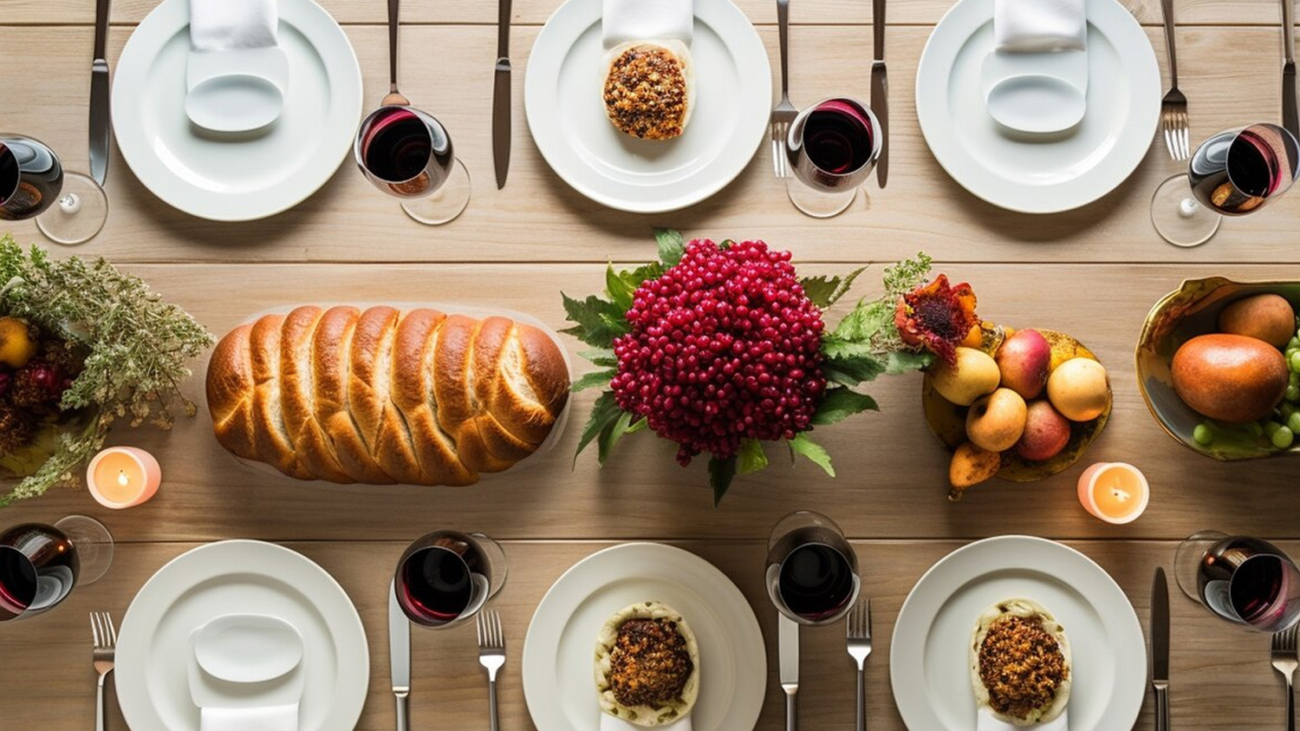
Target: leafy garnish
[
  {"x": 751, "y": 458},
  {"x": 671, "y": 246},
  {"x": 841, "y": 403},
  {"x": 721, "y": 473},
  {"x": 825, "y": 291},
  {"x": 592, "y": 380},
  {"x": 816, "y": 453},
  {"x": 599, "y": 321},
  {"x": 603, "y": 413}
]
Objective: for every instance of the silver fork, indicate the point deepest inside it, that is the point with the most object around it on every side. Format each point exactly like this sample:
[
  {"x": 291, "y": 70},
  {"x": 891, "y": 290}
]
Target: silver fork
[
  {"x": 785, "y": 112},
  {"x": 1173, "y": 107},
  {"x": 491, "y": 655},
  {"x": 1284, "y": 660},
  {"x": 104, "y": 654},
  {"x": 857, "y": 630}
]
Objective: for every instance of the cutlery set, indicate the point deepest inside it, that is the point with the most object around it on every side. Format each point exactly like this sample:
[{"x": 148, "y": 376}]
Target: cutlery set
[{"x": 857, "y": 633}]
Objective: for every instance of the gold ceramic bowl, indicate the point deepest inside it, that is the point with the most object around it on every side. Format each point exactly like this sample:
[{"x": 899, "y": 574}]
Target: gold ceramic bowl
[
  {"x": 1178, "y": 317},
  {"x": 948, "y": 420}
]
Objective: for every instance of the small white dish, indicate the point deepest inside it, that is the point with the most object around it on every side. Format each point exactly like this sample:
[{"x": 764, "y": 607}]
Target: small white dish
[
  {"x": 1036, "y": 104},
  {"x": 234, "y": 103},
  {"x": 247, "y": 648}
]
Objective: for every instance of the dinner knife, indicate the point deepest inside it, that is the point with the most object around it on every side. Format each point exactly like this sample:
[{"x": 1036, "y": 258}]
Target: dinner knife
[
  {"x": 501, "y": 96},
  {"x": 880, "y": 89},
  {"x": 1160, "y": 647},
  {"x": 99, "y": 117},
  {"x": 1290, "y": 115},
  {"x": 789, "y": 649},
  {"x": 399, "y": 657}
]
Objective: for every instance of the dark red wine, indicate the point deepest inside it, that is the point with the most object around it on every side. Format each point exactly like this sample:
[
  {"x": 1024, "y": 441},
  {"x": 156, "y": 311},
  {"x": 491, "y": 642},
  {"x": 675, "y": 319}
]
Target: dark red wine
[
  {"x": 1253, "y": 165},
  {"x": 1236, "y": 173},
  {"x": 398, "y": 146},
  {"x": 436, "y": 583},
  {"x": 838, "y": 137},
  {"x": 1250, "y": 580},
  {"x": 816, "y": 581},
  {"x": 31, "y": 178},
  {"x": 38, "y": 568}
]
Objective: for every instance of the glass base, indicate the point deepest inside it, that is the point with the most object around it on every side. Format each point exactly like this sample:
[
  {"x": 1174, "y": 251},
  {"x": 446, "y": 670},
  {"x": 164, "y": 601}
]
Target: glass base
[
  {"x": 1179, "y": 218},
  {"x": 79, "y": 214},
  {"x": 447, "y": 203},
  {"x": 93, "y": 544},
  {"x": 817, "y": 203}
]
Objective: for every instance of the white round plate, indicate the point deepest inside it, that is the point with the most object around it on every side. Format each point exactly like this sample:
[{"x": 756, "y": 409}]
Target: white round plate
[
  {"x": 1043, "y": 174},
  {"x": 929, "y": 665},
  {"x": 240, "y": 577},
  {"x": 228, "y": 177},
  {"x": 562, "y": 98},
  {"x": 560, "y": 650}
]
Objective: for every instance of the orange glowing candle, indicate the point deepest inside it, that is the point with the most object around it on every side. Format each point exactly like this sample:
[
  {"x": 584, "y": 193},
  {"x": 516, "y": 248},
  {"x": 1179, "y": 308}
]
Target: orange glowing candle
[
  {"x": 1114, "y": 491},
  {"x": 122, "y": 477}
]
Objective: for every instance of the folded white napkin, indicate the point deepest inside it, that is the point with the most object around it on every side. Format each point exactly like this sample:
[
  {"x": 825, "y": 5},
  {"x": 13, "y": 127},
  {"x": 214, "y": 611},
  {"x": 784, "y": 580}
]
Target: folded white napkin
[
  {"x": 609, "y": 723},
  {"x": 223, "y": 25},
  {"x": 270, "y": 718},
  {"x": 986, "y": 722},
  {"x": 645, "y": 20},
  {"x": 1036, "y": 26}
]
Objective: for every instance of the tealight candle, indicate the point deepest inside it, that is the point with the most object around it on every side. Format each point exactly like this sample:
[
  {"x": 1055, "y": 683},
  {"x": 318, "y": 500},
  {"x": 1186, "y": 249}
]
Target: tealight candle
[
  {"x": 122, "y": 477},
  {"x": 1114, "y": 491}
]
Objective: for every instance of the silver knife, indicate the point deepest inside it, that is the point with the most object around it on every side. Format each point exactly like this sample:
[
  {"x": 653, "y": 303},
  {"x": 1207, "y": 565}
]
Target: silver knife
[
  {"x": 789, "y": 649},
  {"x": 1160, "y": 648},
  {"x": 1290, "y": 115},
  {"x": 399, "y": 657},
  {"x": 99, "y": 117},
  {"x": 501, "y": 96},
  {"x": 880, "y": 89}
]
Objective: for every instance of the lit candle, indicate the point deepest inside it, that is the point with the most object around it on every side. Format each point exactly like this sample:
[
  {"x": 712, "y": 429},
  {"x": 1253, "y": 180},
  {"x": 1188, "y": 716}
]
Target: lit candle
[
  {"x": 1114, "y": 491},
  {"x": 121, "y": 477}
]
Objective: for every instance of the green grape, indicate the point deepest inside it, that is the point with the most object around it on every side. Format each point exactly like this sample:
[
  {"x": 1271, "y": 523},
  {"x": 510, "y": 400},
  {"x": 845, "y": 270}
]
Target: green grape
[
  {"x": 1294, "y": 380},
  {"x": 1283, "y": 438},
  {"x": 1293, "y": 422},
  {"x": 1293, "y": 344},
  {"x": 1293, "y": 393},
  {"x": 1288, "y": 355},
  {"x": 1254, "y": 429},
  {"x": 1203, "y": 434},
  {"x": 1294, "y": 361},
  {"x": 1271, "y": 428},
  {"x": 1286, "y": 411}
]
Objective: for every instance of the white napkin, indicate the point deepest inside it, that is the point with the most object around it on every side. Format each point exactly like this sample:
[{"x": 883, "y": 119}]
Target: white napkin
[
  {"x": 986, "y": 722},
  {"x": 1036, "y": 26},
  {"x": 270, "y": 718},
  {"x": 223, "y": 25},
  {"x": 644, "y": 20},
  {"x": 609, "y": 723}
]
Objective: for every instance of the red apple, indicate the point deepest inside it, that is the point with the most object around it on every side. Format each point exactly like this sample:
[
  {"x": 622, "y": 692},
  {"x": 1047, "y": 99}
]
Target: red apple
[
  {"x": 1046, "y": 433},
  {"x": 1025, "y": 360}
]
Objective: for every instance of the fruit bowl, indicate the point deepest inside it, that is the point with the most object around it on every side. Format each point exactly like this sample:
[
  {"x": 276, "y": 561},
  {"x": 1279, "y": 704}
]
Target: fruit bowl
[
  {"x": 26, "y": 461},
  {"x": 1192, "y": 310},
  {"x": 948, "y": 420}
]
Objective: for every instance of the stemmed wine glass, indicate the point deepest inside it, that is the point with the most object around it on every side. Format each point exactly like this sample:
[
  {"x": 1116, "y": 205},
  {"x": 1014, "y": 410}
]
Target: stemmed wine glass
[
  {"x": 40, "y": 564},
  {"x": 408, "y": 154},
  {"x": 833, "y": 146},
  {"x": 33, "y": 181},
  {"x": 812, "y": 571},
  {"x": 1233, "y": 173},
  {"x": 1241, "y": 579},
  {"x": 445, "y": 577}
]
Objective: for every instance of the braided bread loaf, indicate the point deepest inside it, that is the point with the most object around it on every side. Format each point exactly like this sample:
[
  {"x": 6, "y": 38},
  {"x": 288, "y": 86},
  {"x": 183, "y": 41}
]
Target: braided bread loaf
[{"x": 384, "y": 396}]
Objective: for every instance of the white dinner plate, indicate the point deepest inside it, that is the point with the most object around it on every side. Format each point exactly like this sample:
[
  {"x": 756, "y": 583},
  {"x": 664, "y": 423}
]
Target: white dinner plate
[
  {"x": 1037, "y": 174},
  {"x": 236, "y": 177},
  {"x": 560, "y": 650},
  {"x": 239, "y": 577},
  {"x": 566, "y": 114},
  {"x": 929, "y": 663}
]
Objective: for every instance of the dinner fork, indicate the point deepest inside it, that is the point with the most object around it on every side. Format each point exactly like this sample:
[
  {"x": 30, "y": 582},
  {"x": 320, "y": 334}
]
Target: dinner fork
[
  {"x": 1173, "y": 107},
  {"x": 491, "y": 655},
  {"x": 1284, "y": 660},
  {"x": 104, "y": 654},
  {"x": 785, "y": 112},
  {"x": 857, "y": 630}
]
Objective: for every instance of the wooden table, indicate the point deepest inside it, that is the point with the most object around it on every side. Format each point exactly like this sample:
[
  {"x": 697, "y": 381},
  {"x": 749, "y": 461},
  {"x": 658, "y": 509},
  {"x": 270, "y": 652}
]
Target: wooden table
[{"x": 1093, "y": 272}]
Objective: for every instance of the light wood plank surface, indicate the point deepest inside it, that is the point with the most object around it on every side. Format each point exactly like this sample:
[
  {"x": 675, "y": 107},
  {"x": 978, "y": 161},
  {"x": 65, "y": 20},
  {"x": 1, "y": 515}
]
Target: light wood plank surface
[{"x": 1093, "y": 273}]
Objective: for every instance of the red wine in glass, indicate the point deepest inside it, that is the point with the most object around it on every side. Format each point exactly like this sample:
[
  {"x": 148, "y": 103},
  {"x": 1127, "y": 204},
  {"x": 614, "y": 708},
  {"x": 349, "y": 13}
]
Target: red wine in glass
[
  {"x": 1239, "y": 171},
  {"x": 31, "y": 177},
  {"x": 404, "y": 151},
  {"x": 38, "y": 568},
  {"x": 445, "y": 577},
  {"x": 812, "y": 571},
  {"x": 1251, "y": 581},
  {"x": 838, "y": 137}
]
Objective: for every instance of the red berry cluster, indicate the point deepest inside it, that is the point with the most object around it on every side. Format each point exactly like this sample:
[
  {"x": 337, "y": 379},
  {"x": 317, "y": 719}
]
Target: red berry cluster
[{"x": 724, "y": 347}]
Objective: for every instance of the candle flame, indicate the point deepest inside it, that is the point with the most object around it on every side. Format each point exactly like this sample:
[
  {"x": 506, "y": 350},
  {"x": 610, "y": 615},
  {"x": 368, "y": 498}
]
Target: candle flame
[{"x": 122, "y": 479}]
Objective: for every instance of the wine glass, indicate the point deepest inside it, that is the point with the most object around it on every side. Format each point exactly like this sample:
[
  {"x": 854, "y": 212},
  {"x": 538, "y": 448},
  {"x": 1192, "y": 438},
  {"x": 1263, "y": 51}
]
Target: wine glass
[
  {"x": 812, "y": 571},
  {"x": 445, "y": 577},
  {"x": 40, "y": 564},
  {"x": 833, "y": 146},
  {"x": 33, "y": 181},
  {"x": 1241, "y": 579},
  {"x": 1232, "y": 173}
]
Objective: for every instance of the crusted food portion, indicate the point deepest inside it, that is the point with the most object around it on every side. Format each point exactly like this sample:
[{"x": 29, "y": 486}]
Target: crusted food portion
[
  {"x": 647, "y": 92},
  {"x": 650, "y": 663},
  {"x": 1022, "y": 666}
]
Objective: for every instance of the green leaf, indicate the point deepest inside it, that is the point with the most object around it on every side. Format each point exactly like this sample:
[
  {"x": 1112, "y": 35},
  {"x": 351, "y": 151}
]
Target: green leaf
[
  {"x": 721, "y": 473},
  {"x": 598, "y": 321},
  {"x": 815, "y": 452},
  {"x": 905, "y": 361},
  {"x": 866, "y": 320},
  {"x": 603, "y": 413},
  {"x": 671, "y": 246},
  {"x": 610, "y": 435},
  {"x": 751, "y": 457},
  {"x": 826, "y": 291},
  {"x": 852, "y": 371},
  {"x": 638, "y": 425},
  {"x": 619, "y": 289},
  {"x": 601, "y": 357},
  {"x": 839, "y": 348},
  {"x": 841, "y": 403},
  {"x": 593, "y": 379}
]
